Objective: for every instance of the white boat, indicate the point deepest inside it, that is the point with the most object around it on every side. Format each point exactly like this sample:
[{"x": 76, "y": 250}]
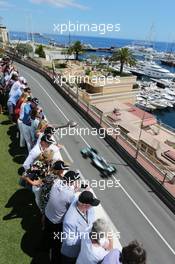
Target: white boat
[
  {"x": 158, "y": 104},
  {"x": 140, "y": 49},
  {"x": 88, "y": 46},
  {"x": 169, "y": 91},
  {"x": 117, "y": 68},
  {"x": 165, "y": 82},
  {"x": 139, "y": 98},
  {"x": 172, "y": 85},
  {"x": 167, "y": 96},
  {"x": 146, "y": 106},
  {"x": 152, "y": 69},
  {"x": 168, "y": 103}
]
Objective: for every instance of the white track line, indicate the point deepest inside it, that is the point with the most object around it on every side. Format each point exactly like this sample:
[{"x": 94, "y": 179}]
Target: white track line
[
  {"x": 67, "y": 153},
  {"x": 146, "y": 218},
  {"x": 123, "y": 189},
  {"x": 65, "y": 150}
]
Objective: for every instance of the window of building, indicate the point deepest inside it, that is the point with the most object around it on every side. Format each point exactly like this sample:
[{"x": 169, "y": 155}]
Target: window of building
[{"x": 150, "y": 152}]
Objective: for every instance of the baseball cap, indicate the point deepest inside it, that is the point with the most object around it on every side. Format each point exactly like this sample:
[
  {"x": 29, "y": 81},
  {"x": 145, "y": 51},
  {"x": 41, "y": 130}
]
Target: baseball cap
[
  {"x": 6, "y": 58},
  {"x": 23, "y": 80},
  {"x": 71, "y": 176},
  {"x": 29, "y": 98},
  {"x": 87, "y": 197},
  {"x": 15, "y": 74},
  {"x": 49, "y": 130},
  {"x": 38, "y": 164},
  {"x": 47, "y": 139},
  {"x": 60, "y": 165},
  {"x": 27, "y": 89},
  {"x": 35, "y": 100}
]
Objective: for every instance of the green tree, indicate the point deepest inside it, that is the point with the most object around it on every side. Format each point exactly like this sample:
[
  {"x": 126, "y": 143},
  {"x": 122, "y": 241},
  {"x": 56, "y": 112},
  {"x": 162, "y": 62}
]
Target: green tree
[
  {"x": 87, "y": 71},
  {"x": 1, "y": 52},
  {"x": 125, "y": 56},
  {"x": 40, "y": 51},
  {"x": 94, "y": 58},
  {"x": 76, "y": 48},
  {"x": 24, "y": 49}
]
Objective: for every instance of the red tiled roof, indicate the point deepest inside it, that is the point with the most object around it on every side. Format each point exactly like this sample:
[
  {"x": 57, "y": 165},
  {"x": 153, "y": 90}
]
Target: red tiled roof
[
  {"x": 170, "y": 154},
  {"x": 149, "y": 122}
]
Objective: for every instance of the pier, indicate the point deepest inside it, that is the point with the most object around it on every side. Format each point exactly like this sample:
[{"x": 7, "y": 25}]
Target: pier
[{"x": 111, "y": 49}]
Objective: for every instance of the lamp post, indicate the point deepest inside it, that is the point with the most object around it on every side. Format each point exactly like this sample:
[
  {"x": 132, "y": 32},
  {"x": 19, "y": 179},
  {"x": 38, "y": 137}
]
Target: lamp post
[
  {"x": 53, "y": 67},
  {"x": 140, "y": 133},
  {"x": 164, "y": 178},
  {"x": 15, "y": 51},
  {"x": 76, "y": 83}
]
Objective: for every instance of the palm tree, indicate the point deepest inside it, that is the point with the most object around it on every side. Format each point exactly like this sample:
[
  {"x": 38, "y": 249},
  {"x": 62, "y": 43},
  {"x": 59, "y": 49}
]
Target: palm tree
[
  {"x": 125, "y": 56},
  {"x": 24, "y": 49},
  {"x": 76, "y": 48}
]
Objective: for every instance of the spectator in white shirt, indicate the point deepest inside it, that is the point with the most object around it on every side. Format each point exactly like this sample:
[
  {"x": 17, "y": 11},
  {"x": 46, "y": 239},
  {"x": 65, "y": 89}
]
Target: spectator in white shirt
[
  {"x": 96, "y": 245},
  {"x": 37, "y": 150},
  {"x": 50, "y": 131},
  {"x": 77, "y": 221},
  {"x": 20, "y": 83}
]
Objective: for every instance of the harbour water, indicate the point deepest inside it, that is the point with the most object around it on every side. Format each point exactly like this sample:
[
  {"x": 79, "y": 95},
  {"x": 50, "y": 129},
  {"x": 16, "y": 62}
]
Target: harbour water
[
  {"x": 165, "y": 116},
  {"x": 94, "y": 41}
]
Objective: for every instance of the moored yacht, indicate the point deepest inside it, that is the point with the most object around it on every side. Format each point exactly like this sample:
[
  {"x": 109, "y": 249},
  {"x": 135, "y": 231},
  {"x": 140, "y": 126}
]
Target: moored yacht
[
  {"x": 159, "y": 104},
  {"x": 145, "y": 106},
  {"x": 151, "y": 69}
]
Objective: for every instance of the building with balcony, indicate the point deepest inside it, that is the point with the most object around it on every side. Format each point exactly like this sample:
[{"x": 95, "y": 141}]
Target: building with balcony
[
  {"x": 107, "y": 90},
  {"x": 4, "y": 36}
]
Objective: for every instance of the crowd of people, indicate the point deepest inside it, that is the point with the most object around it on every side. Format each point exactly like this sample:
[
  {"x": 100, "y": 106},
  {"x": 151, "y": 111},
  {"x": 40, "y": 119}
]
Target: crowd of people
[{"x": 71, "y": 231}]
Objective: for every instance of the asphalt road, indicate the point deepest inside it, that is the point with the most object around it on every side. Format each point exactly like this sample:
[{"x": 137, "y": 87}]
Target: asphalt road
[{"x": 133, "y": 208}]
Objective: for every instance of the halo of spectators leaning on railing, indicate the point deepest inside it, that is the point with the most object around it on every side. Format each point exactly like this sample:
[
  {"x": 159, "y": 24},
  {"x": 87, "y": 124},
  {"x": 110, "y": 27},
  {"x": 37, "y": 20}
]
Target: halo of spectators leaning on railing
[{"x": 67, "y": 210}]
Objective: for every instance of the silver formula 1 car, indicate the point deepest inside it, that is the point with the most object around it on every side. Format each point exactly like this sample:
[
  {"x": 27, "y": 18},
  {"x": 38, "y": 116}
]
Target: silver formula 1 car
[{"x": 104, "y": 167}]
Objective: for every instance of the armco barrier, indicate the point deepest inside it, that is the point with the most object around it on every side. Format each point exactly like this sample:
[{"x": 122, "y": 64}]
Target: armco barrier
[{"x": 156, "y": 187}]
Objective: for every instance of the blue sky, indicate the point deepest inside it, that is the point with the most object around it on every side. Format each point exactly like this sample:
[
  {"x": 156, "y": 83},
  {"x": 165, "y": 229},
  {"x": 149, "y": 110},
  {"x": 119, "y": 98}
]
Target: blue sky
[{"x": 138, "y": 19}]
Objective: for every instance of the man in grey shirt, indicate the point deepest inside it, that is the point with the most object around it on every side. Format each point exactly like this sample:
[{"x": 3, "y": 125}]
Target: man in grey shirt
[
  {"x": 77, "y": 222},
  {"x": 60, "y": 197}
]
